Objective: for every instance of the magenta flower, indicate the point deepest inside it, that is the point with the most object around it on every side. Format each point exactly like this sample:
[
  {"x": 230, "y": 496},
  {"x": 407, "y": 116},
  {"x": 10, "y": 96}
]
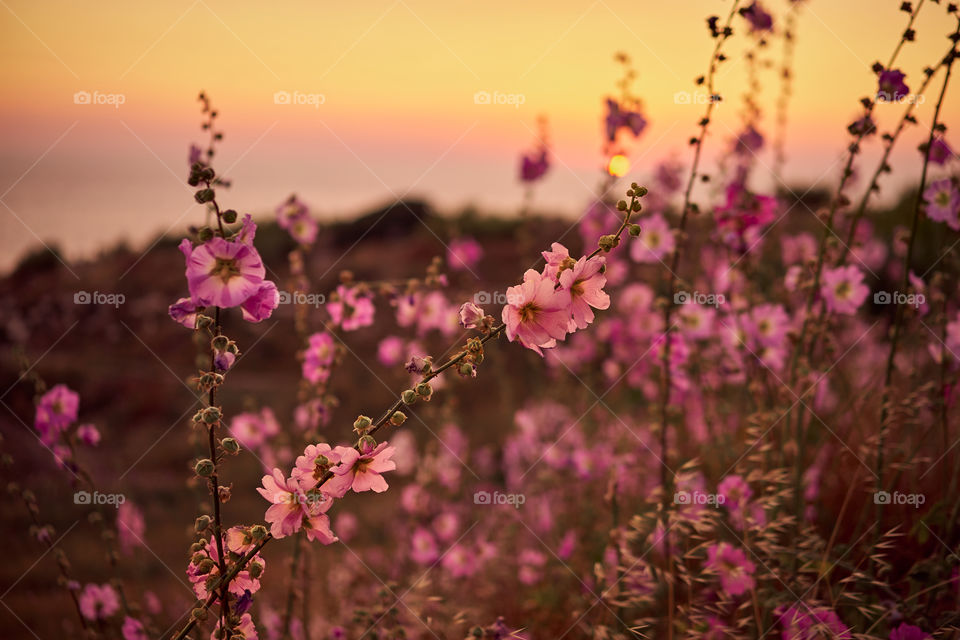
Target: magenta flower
[
  {"x": 536, "y": 313},
  {"x": 425, "y": 550},
  {"x": 222, "y": 273},
  {"x": 463, "y": 254},
  {"x": 908, "y": 632},
  {"x": 655, "y": 241},
  {"x": 318, "y": 358},
  {"x": 470, "y": 315},
  {"x": 98, "y": 601},
  {"x": 807, "y": 623},
  {"x": 88, "y": 434},
  {"x": 56, "y": 411},
  {"x": 294, "y": 217},
  {"x": 619, "y": 118},
  {"x": 361, "y": 471},
  {"x": 843, "y": 289},
  {"x": 940, "y": 151},
  {"x": 534, "y": 165},
  {"x": 391, "y": 351},
  {"x": 195, "y": 155},
  {"x": 260, "y": 305},
  {"x": 585, "y": 283},
  {"x": 892, "y": 87},
  {"x": 133, "y": 629},
  {"x": 758, "y": 17},
  {"x": 351, "y": 309},
  {"x": 184, "y": 311},
  {"x": 943, "y": 202},
  {"x": 731, "y": 564},
  {"x": 242, "y": 583}
]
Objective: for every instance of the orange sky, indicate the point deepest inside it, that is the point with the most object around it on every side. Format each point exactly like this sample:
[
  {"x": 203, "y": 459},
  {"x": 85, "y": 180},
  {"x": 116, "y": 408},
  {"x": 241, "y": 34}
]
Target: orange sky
[{"x": 398, "y": 79}]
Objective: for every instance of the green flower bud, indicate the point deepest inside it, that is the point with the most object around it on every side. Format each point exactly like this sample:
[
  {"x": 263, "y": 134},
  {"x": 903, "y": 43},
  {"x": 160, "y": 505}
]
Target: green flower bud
[
  {"x": 640, "y": 191},
  {"x": 205, "y": 468},
  {"x": 199, "y": 613},
  {"x": 635, "y": 230},
  {"x": 398, "y": 418},
  {"x": 230, "y": 445},
  {"x": 201, "y": 525},
  {"x": 205, "y": 234},
  {"x": 258, "y": 532},
  {"x": 203, "y": 321},
  {"x": 608, "y": 242},
  {"x": 622, "y": 205},
  {"x": 212, "y": 415},
  {"x": 220, "y": 343},
  {"x": 409, "y": 396},
  {"x": 424, "y": 390},
  {"x": 229, "y": 216},
  {"x": 204, "y": 195},
  {"x": 255, "y": 569},
  {"x": 206, "y": 566},
  {"x": 361, "y": 424}
]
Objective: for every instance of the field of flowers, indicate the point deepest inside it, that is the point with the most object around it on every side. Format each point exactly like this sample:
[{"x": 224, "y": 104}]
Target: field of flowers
[{"x": 678, "y": 417}]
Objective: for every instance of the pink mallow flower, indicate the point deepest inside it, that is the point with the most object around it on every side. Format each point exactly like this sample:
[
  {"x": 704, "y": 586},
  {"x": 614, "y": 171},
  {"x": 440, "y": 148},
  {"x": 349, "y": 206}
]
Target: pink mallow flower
[
  {"x": 318, "y": 357},
  {"x": 536, "y": 313},
  {"x": 908, "y": 632},
  {"x": 222, "y": 273},
  {"x": 245, "y": 628},
  {"x": 351, "y": 309},
  {"x": 943, "y": 202},
  {"x": 470, "y": 315},
  {"x": 534, "y": 165},
  {"x": 585, "y": 283},
  {"x": 655, "y": 241},
  {"x": 133, "y": 629},
  {"x": 843, "y": 289},
  {"x": 463, "y": 254},
  {"x": 184, "y": 311},
  {"x": 940, "y": 151},
  {"x": 98, "y": 601},
  {"x": 424, "y": 547},
  {"x": 260, "y": 305},
  {"x": 294, "y": 508},
  {"x": 56, "y": 411},
  {"x": 361, "y": 471},
  {"x": 731, "y": 564}
]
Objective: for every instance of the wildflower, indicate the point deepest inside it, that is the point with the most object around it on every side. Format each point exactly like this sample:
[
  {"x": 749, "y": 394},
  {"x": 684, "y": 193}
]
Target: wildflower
[
  {"x": 749, "y": 142},
  {"x": 316, "y": 460},
  {"x": 585, "y": 281},
  {"x": 891, "y": 85},
  {"x": 203, "y": 575},
  {"x": 470, "y": 315},
  {"x": 940, "y": 152},
  {"x": 463, "y": 254},
  {"x": 351, "y": 309},
  {"x": 391, "y": 350},
  {"x": 534, "y": 165},
  {"x": 254, "y": 429},
  {"x": 184, "y": 311},
  {"x": 244, "y": 629},
  {"x": 222, "y": 273},
  {"x": 460, "y": 562},
  {"x": 425, "y": 550},
  {"x": 98, "y": 601},
  {"x": 88, "y": 434},
  {"x": 260, "y": 305},
  {"x": 943, "y": 202},
  {"x": 536, "y": 313},
  {"x": 288, "y": 499},
  {"x": 133, "y": 629},
  {"x": 531, "y": 566},
  {"x": 318, "y": 357},
  {"x": 758, "y": 17},
  {"x": 621, "y": 118},
  {"x": 555, "y": 258},
  {"x": 446, "y": 525},
  {"x": 908, "y": 632},
  {"x": 843, "y": 289},
  {"x": 361, "y": 471},
  {"x": 131, "y": 526},
  {"x": 655, "y": 242},
  {"x": 731, "y": 564},
  {"x": 743, "y": 214},
  {"x": 806, "y": 623},
  {"x": 56, "y": 411}
]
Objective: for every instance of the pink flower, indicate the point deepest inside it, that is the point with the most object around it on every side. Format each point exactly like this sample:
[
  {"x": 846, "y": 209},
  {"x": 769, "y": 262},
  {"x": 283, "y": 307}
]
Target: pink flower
[
  {"x": 585, "y": 283},
  {"x": 88, "y": 434},
  {"x": 131, "y": 526},
  {"x": 222, "y": 273},
  {"x": 252, "y": 429},
  {"x": 463, "y": 254},
  {"x": 315, "y": 461},
  {"x": 184, "y": 311},
  {"x": 940, "y": 151},
  {"x": 731, "y": 564},
  {"x": 554, "y": 258},
  {"x": 943, "y": 202},
  {"x": 619, "y": 117},
  {"x": 533, "y": 166},
  {"x": 536, "y": 313},
  {"x": 425, "y": 549},
  {"x": 361, "y": 471},
  {"x": 391, "y": 351},
  {"x": 806, "y": 623},
  {"x": 908, "y": 632},
  {"x": 460, "y": 562},
  {"x": 531, "y": 566},
  {"x": 351, "y": 309},
  {"x": 56, "y": 411},
  {"x": 246, "y": 628},
  {"x": 288, "y": 508},
  {"x": 98, "y": 601},
  {"x": 260, "y": 305},
  {"x": 843, "y": 289},
  {"x": 655, "y": 241},
  {"x": 318, "y": 357},
  {"x": 133, "y": 629},
  {"x": 470, "y": 315}
]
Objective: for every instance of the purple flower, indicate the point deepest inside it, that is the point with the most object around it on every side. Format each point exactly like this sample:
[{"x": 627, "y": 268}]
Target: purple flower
[
  {"x": 533, "y": 166},
  {"x": 222, "y": 273},
  {"x": 619, "y": 118},
  {"x": 56, "y": 411},
  {"x": 908, "y": 632},
  {"x": 463, "y": 254},
  {"x": 892, "y": 87},
  {"x": 260, "y": 305},
  {"x": 943, "y": 202},
  {"x": 758, "y": 17},
  {"x": 184, "y": 312},
  {"x": 940, "y": 151}
]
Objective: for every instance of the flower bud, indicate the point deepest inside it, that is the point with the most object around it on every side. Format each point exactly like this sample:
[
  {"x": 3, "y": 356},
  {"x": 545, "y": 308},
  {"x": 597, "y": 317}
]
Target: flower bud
[
  {"x": 204, "y": 195},
  {"x": 206, "y": 566},
  {"x": 409, "y": 396},
  {"x": 258, "y": 532},
  {"x": 203, "y": 321},
  {"x": 622, "y": 205},
  {"x": 634, "y": 230},
  {"x": 230, "y": 445},
  {"x": 640, "y": 191},
  {"x": 398, "y": 418},
  {"x": 202, "y": 523},
  {"x": 229, "y": 216},
  {"x": 255, "y": 569},
  {"x": 220, "y": 343},
  {"x": 211, "y": 415},
  {"x": 199, "y": 613},
  {"x": 467, "y": 370},
  {"x": 205, "y": 468},
  {"x": 367, "y": 444},
  {"x": 362, "y": 424},
  {"x": 196, "y": 547},
  {"x": 608, "y": 242},
  {"x": 470, "y": 315},
  {"x": 205, "y": 234},
  {"x": 424, "y": 390}
]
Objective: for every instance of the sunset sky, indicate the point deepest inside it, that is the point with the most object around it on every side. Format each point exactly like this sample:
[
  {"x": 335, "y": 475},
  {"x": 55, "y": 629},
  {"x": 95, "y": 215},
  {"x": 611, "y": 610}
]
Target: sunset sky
[{"x": 397, "y": 80}]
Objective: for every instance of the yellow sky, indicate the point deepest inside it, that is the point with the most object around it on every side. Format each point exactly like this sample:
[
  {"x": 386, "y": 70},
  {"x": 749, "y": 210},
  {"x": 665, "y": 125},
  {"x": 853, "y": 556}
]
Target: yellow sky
[{"x": 398, "y": 79}]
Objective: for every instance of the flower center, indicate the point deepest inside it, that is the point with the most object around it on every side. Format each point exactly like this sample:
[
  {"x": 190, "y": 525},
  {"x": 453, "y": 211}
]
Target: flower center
[
  {"x": 843, "y": 290},
  {"x": 529, "y": 312},
  {"x": 225, "y": 269},
  {"x": 943, "y": 198}
]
